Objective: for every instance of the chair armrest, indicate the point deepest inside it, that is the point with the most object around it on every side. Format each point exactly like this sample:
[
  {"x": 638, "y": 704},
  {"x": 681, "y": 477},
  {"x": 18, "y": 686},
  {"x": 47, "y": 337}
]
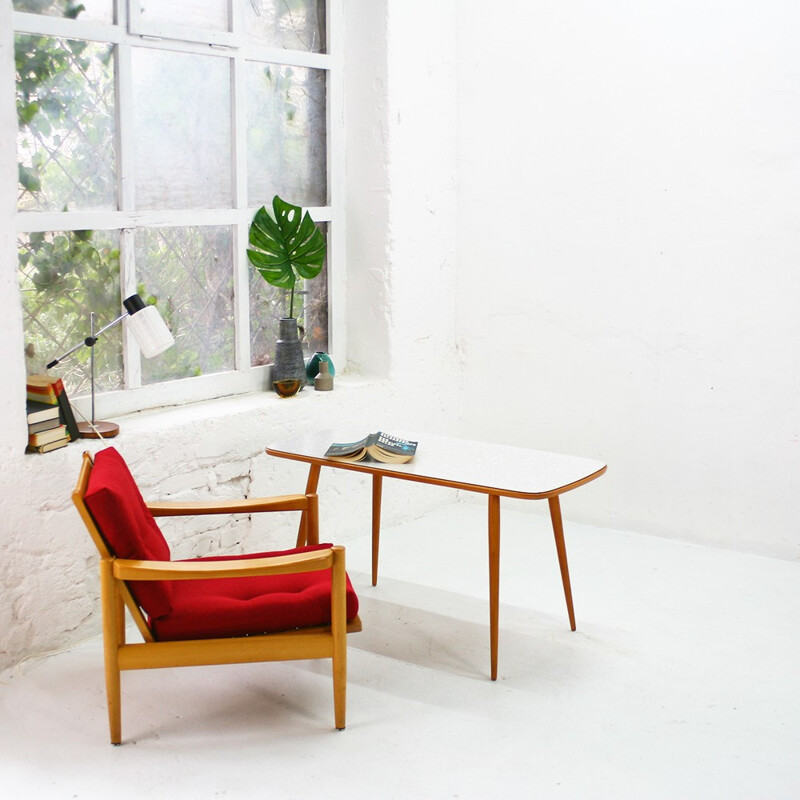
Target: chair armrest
[
  {"x": 134, "y": 570},
  {"x": 288, "y": 502}
]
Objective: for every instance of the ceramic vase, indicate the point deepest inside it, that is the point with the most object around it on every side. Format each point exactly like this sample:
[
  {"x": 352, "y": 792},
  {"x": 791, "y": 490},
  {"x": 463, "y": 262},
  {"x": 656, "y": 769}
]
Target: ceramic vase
[
  {"x": 324, "y": 380},
  {"x": 312, "y": 367},
  {"x": 289, "y": 364}
]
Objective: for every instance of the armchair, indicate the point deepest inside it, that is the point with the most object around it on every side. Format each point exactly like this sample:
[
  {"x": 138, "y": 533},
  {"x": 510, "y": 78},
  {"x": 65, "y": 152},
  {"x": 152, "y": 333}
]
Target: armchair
[{"x": 292, "y": 604}]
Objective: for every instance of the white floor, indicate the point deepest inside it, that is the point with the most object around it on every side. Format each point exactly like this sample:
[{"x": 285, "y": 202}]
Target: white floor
[{"x": 682, "y": 681}]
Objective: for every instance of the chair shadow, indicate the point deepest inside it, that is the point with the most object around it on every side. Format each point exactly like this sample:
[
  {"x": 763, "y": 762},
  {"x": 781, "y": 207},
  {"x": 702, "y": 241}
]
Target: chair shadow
[{"x": 447, "y": 631}]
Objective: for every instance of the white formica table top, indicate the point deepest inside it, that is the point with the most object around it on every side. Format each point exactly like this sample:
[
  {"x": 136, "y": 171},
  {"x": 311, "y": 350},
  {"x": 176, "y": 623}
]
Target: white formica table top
[{"x": 460, "y": 463}]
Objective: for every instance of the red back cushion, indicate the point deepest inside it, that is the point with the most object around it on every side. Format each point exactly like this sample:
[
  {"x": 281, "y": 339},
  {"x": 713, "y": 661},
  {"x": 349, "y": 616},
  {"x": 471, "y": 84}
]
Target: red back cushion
[{"x": 128, "y": 526}]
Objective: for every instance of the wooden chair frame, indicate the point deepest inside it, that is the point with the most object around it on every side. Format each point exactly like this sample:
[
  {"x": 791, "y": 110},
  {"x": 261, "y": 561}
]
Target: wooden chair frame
[{"x": 306, "y": 643}]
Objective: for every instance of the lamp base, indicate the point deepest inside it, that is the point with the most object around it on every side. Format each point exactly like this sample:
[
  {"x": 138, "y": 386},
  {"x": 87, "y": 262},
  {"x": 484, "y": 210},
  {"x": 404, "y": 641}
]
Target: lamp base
[{"x": 106, "y": 430}]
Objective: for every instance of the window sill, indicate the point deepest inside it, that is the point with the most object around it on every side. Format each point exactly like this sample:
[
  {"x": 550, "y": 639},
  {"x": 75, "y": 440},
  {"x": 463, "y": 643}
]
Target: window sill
[{"x": 351, "y": 395}]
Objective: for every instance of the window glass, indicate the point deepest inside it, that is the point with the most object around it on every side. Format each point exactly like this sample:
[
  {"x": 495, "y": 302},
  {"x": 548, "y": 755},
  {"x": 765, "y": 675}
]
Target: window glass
[
  {"x": 65, "y": 122},
  {"x": 64, "y": 276},
  {"x": 286, "y": 142},
  {"x": 315, "y": 311},
  {"x": 290, "y": 24},
  {"x": 188, "y": 274},
  {"x": 97, "y": 10},
  {"x": 182, "y": 130},
  {"x": 268, "y": 304},
  {"x": 148, "y": 146},
  {"x": 210, "y": 14}
]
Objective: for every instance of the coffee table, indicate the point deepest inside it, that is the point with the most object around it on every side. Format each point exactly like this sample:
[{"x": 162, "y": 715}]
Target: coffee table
[{"x": 492, "y": 469}]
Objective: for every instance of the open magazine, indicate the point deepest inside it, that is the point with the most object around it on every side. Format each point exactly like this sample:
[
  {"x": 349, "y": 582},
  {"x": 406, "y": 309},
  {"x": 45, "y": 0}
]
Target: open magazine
[{"x": 375, "y": 447}]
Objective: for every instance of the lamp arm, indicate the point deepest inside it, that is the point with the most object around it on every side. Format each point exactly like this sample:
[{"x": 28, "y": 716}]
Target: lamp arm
[{"x": 89, "y": 341}]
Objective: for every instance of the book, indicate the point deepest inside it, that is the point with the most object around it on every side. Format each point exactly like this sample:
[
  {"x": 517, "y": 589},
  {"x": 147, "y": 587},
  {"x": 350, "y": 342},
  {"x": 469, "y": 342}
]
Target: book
[
  {"x": 46, "y": 448},
  {"x": 51, "y": 391},
  {"x": 378, "y": 446},
  {"x": 45, "y": 437},
  {"x": 41, "y": 389},
  {"x": 44, "y": 425},
  {"x": 40, "y": 412}
]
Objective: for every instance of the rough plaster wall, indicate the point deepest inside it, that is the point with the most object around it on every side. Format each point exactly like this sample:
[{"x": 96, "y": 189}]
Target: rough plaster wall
[
  {"x": 48, "y": 567},
  {"x": 629, "y": 237},
  {"x": 366, "y": 121},
  {"x": 48, "y": 576},
  {"x": 12, "y": 414},
  {"x": 402, "y": 194},
  {"x": 11, "y": 340},
  {"x": 422, "y": 165}
]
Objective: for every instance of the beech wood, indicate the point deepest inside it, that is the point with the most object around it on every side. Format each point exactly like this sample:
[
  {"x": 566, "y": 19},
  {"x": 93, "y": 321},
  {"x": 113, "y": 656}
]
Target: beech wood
[
  {"x": 311, "y": 488},
  {"x": 316, "y": 642},
  {"x": 133, "y": 570},
  {"x": 377, "y": 490},
  {"x": 290, "y": 502},
  {"x": 495, "y": 470},
  {"x": 561, "y": 549},
  {"x": 494, "y": 581}
]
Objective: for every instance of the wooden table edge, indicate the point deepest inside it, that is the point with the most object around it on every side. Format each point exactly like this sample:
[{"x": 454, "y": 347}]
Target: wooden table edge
[{"x": 374, "y": 468}]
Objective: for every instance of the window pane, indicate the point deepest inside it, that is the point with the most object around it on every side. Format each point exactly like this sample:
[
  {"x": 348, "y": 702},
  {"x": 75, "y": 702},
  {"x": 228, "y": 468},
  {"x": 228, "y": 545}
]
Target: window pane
[
  {"x": 182, "y": 130},
  {"x": 98, "y": 10},
  {"x": 286, "y": 142},
  {"x": 315, "y": 309},
  {"x": 64, "y": 276},
  {"x": 189, "y": 272},
  {"x": 210, "y": 14},
  {"x": 65, "y": 118},
  {"x": 268, "y": 304},
  {"x": 291, "y": 24}
]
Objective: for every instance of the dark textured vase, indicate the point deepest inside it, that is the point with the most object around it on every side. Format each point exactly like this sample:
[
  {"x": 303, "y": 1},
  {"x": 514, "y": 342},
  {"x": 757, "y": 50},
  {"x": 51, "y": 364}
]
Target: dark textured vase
[{"x": 289, "y": 364}]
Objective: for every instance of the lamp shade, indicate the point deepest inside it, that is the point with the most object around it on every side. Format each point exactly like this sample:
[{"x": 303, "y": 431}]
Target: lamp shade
[{"x": 148, "y": 328}]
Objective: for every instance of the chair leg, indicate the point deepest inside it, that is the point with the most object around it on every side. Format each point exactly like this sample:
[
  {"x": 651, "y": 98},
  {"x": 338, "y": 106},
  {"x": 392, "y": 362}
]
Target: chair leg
[
  {"x": 339, "y": 693},
  {"x": 339, "y": 634},
  {"x": 111, "y": 638}
]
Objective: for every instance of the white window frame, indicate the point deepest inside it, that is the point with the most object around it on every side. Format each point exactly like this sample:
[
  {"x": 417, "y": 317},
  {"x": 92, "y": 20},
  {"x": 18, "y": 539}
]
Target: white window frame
[
  {"x": 139, "y": 24},
  {"x": 243, "y": 378}
]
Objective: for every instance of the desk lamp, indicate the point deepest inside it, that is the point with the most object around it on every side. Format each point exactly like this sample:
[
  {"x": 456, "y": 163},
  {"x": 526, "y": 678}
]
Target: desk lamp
[{"x": 152, "y": 336}]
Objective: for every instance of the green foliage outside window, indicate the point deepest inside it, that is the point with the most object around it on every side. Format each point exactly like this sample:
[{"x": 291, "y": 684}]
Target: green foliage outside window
[
  {"x": 64, "y": 275},
  {"x": 67, "y": 162}
]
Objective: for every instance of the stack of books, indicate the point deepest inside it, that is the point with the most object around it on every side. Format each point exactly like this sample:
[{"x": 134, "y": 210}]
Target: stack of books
[{"x": 51, "y": 423}]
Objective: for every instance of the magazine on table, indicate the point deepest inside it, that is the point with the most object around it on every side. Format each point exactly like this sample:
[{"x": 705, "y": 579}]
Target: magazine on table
[{"x": 378, "y": 446}]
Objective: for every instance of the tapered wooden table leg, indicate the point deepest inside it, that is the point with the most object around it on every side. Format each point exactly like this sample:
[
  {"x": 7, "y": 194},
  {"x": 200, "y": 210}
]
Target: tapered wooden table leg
[
  {"x": 558, "y": 530},
  {"x": 312, "y": 482},
  {"x": 494, "y": 578},
  {"x": 377, "y": 486}
]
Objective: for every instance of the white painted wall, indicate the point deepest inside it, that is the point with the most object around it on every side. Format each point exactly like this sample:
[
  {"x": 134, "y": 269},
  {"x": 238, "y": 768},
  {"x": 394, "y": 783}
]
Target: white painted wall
[
  {"x": 641, "y": 310},
  {"x": 402, "y": 194},
  {"x": 11, "y": 341},
  {"x": 629, "y": 243},
  {"x": 14, "y": 515},
  {"x": 48, "y": 576},
  {"x": 366, "y": 109},
  {"x": 423, "y": 168}
]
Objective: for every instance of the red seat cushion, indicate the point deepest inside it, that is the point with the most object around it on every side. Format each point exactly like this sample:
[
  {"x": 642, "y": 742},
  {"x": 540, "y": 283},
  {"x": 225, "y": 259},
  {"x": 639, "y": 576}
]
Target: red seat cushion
[
  {"x": 114, "y": 500},
  {"x": 223, "y": 607}
]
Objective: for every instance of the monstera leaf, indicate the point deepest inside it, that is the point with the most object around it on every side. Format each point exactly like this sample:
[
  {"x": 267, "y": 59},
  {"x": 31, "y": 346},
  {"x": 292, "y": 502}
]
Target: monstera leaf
[{"x": 286, "y": 247}]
